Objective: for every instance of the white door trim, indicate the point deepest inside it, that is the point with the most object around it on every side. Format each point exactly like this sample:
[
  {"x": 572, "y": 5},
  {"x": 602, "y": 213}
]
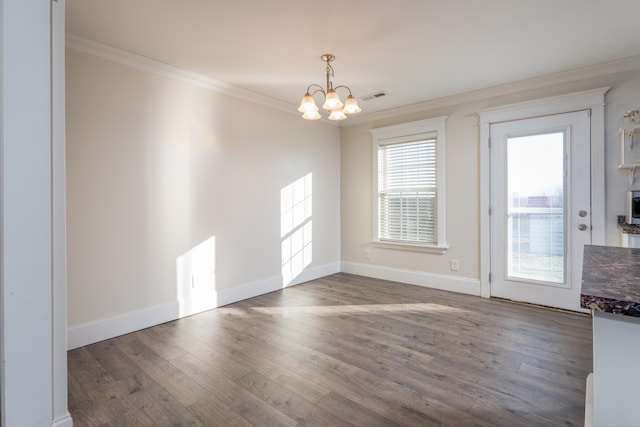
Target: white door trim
[{"x": 587, "y": 100}]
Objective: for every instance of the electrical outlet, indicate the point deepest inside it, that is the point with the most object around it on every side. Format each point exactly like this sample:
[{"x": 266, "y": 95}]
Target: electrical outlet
[
  {"x": 367, "y": 254},
  {"x": 454, "y": 265}
]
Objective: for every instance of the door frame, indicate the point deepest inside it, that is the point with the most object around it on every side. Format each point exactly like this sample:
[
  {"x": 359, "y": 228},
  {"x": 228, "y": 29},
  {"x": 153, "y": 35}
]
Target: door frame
[{"x": 592, "y": 100}]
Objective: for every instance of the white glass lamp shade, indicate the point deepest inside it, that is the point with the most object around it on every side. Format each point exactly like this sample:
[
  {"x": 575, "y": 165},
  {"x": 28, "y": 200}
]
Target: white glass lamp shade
[
  {"x": 308, "y": 104},
  {"x": 332, "y": 101},
  {"x": 311, "y": 115},
  {"x": 337, "y": 115},
  {"x": 351, "y": 105}
]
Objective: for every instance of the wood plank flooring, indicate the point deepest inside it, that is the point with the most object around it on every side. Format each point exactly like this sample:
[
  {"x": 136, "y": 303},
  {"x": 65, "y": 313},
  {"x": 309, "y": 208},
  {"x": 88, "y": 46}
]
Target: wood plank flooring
[{"x": 342, "y": 351}]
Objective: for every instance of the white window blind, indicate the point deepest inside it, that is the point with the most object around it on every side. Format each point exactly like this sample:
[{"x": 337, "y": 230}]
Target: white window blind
[
  {"x": 409, "y": 194},
  {"x": 407, "y": 190}
]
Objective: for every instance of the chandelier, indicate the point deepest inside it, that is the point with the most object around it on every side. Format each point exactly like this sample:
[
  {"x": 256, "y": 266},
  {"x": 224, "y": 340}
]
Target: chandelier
[{"x": 332, "y": 102}]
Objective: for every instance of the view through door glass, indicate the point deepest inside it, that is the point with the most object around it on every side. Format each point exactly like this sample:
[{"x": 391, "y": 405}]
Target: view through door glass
[{"x": 536, "y": 215}]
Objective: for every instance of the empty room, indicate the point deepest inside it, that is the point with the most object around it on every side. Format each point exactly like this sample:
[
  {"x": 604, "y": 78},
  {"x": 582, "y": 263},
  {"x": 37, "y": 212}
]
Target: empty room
[{"x": 362, "y": 213}]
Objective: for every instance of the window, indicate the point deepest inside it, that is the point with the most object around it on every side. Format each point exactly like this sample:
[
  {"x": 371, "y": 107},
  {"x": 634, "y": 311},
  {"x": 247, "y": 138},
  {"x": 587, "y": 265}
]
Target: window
[{"x": 409, "y": 181}]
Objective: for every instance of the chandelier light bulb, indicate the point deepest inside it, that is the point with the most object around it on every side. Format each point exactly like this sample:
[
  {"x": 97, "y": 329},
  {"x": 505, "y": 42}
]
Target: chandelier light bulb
[
  {"x": 311, "y": 115},
  {"x": 337, "y": 115},
  {"x": 332, "y": 101},
  {"x": 308, "y": 104},
  {"x": 351, "y": 105}
]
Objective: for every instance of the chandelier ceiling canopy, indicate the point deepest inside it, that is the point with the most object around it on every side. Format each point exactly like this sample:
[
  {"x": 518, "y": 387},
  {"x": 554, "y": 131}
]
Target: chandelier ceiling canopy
[{"x": 332, "y": 103}]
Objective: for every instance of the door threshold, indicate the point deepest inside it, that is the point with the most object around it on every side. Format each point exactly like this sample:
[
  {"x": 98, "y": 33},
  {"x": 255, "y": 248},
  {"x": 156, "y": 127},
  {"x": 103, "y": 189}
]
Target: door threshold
[{"x": 546, "y": 307}]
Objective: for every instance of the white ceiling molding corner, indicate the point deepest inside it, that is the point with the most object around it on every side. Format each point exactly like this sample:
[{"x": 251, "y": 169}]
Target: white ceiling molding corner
[
  {"x": 606, "y": 68},
  {"x": 120, "y": 56}
]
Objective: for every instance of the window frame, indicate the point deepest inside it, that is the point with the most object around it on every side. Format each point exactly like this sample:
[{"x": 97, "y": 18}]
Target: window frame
[{"x": 408, "y": 132}]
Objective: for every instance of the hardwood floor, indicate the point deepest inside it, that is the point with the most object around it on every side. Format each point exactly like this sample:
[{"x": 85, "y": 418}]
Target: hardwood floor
[{"x": 342, "y": 351}]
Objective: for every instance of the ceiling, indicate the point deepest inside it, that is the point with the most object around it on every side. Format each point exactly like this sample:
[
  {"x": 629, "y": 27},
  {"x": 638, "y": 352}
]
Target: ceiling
[{"x": 415, "y": 50}]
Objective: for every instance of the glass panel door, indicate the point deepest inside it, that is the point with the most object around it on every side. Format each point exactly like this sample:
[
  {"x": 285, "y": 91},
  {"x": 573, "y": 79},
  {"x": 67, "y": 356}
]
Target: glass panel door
[{"x": 540, "y": 208}]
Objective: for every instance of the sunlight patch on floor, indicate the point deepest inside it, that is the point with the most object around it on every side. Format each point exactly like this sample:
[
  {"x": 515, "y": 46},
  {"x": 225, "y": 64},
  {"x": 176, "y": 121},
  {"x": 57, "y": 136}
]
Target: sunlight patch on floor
[{"x": 329, "y": 310}]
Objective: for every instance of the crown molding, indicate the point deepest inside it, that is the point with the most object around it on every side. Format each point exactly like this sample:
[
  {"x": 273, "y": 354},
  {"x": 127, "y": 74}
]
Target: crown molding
[
  {"x": 541, "y": 107},
  {"x": 592, "y": 71},
  {"x": 121, "y": 56}
]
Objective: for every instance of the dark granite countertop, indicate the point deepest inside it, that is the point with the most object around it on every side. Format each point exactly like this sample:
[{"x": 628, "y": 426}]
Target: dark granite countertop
[
  {"x": 627, "y": 228},
  {"x": 611, "y": 280}
]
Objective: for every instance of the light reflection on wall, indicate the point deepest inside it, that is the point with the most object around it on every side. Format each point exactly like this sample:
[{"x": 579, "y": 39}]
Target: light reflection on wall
[
  {"x": 296, "y": 227},
  {"x": 196, "y": 278}
]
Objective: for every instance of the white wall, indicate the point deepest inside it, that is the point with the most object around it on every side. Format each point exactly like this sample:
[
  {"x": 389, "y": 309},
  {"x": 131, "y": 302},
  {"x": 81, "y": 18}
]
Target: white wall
[
  {"x": 624, "y": 95},
  {"x": 156, "y": 167},
  {"x": 462, "y": 175}
]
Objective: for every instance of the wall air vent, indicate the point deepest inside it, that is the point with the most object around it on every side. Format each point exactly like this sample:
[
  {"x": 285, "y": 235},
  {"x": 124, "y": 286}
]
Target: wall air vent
[{"x": 374, "y": 96}]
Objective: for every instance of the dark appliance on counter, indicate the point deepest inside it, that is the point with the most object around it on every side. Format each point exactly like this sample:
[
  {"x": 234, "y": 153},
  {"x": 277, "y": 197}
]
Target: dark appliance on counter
[{"x": 633, "y": 207}]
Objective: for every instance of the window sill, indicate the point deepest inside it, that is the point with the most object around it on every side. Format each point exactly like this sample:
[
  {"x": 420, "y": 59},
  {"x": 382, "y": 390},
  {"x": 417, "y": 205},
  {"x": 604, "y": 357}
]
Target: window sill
[{"x": 433, "y": 249}]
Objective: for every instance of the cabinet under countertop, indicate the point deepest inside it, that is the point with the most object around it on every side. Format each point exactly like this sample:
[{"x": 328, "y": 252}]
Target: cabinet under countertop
[{"x": 611, "y": 290}]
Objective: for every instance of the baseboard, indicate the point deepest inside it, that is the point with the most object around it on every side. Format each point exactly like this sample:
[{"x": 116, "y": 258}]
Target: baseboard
[
  {"x": 316, "y": 273},
  {"x": 588, "y": 403},
  {"x": 261, "y": 287},
  {"x": 99, "y": 330},
  {"x": 65, "y": 421},
  {"x": 437, "y": 281}
]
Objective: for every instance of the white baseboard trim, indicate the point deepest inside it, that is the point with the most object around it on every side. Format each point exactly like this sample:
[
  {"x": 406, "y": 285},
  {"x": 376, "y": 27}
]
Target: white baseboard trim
[
  {"x": 99, "y": 330},
  {"x": 437, "y": 281},
  {"x": 588, "y": 403},
  {"x": 317, "y": 272},
  {"x": 261, "y": 287},
  {"x": 65, "y": 421}
]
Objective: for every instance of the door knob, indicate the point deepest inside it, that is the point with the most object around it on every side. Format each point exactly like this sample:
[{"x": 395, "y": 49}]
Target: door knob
[
  {"x": 582, "y": 227},
  {"x": 582, "y": 214}
]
